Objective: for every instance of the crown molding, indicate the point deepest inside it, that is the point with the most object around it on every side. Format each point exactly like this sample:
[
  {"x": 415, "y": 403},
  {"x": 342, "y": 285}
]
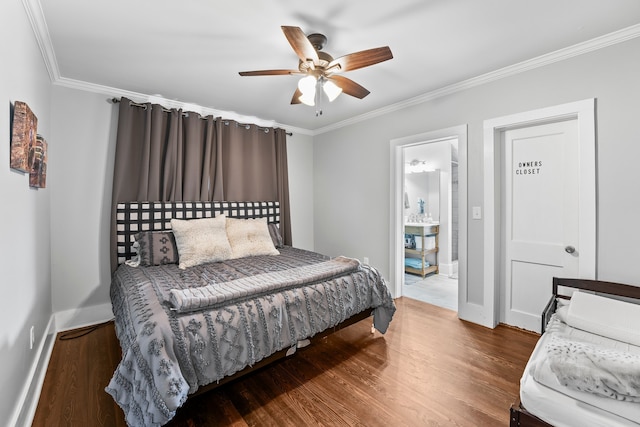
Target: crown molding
[
  {"x": 41, "y": 31},
  {"x": 112, "y": 92},
  {"x": 615, "y": 37}
]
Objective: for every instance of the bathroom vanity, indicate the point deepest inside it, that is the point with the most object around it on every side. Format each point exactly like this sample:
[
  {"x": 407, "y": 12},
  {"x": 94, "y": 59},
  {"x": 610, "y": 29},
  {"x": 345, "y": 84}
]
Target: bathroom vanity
[{"x": 423, "y": 259}]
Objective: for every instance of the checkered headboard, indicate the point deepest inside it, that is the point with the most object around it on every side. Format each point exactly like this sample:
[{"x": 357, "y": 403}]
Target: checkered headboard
[{"x": 133, "y": 217}]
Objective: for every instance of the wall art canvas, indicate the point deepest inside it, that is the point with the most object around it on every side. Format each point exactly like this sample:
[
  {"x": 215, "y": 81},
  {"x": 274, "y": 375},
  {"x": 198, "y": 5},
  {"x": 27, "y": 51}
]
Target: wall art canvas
[
  {"x": 23, "y": 135},
  {"x": 38, "y": 162}
]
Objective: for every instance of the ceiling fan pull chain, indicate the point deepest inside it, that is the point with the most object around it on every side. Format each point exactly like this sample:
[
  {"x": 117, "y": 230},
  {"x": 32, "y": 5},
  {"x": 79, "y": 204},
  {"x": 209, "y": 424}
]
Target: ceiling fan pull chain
[{"x": 319, "y": 97}]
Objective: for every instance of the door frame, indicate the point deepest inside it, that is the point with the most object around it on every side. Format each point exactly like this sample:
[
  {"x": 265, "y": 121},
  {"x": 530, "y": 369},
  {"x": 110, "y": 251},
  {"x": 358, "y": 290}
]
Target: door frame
[
  {"x": 396, "y": 203},
  {"x": 582, "y": 111}
]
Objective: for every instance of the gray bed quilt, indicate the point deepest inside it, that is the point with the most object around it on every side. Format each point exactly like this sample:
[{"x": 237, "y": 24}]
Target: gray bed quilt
[{"x": 182, "y": 329}]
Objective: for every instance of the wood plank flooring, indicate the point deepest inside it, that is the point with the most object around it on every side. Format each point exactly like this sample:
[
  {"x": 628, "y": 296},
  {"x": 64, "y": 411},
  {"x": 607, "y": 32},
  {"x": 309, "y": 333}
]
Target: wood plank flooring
[{"x": 429, "y": 369}]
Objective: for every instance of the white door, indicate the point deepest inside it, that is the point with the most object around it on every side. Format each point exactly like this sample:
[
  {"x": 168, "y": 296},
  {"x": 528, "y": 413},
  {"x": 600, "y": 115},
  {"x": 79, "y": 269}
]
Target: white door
[{"x": 541, "y": 217}]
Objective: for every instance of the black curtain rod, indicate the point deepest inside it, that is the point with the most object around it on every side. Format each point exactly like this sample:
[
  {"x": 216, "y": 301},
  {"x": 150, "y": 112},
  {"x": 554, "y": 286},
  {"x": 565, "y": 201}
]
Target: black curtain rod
[{"x": 226, "y": 122}]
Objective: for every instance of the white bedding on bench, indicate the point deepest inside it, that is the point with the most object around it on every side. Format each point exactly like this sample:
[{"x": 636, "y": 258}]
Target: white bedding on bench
[{"x": 542, "y": 394}]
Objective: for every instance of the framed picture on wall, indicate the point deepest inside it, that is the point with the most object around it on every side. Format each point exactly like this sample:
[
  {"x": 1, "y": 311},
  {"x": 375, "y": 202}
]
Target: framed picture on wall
[
  {"x": 23, "y": 136},
  {"x": 38, "y": 162}
]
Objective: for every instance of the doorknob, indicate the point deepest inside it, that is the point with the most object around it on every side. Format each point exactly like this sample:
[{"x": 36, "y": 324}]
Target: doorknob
[{"x": 570, "y": 249}]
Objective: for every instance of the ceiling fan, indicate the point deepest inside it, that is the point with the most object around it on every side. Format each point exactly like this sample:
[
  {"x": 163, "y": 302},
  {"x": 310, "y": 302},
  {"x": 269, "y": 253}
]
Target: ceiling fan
[{"x": 321, "y": 71}]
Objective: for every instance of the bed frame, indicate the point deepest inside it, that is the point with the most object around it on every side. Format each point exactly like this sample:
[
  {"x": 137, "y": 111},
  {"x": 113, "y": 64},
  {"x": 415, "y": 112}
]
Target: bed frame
[
  {"x": 519, "y": 415},
  {"x": 134, "y": 217}
]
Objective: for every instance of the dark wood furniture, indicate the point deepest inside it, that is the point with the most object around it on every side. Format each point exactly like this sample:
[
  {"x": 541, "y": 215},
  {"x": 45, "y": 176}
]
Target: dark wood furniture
[{"x": 519, "y": 414}]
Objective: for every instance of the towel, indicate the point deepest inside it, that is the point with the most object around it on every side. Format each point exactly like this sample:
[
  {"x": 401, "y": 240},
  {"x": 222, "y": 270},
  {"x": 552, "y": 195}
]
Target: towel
[{"x": 415, "y": 263}]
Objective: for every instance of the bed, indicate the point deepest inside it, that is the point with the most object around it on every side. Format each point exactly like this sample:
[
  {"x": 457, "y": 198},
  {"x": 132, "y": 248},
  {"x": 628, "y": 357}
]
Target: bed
[
  {"x": 585, "y": 369},
  {"x": 187, "y": 327}
]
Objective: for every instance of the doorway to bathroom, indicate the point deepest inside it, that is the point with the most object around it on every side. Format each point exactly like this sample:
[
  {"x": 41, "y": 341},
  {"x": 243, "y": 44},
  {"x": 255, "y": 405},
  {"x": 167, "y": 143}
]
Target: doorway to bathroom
[
  {"x": 431, "y": 222},
  {"x": 466, "y": 308}
]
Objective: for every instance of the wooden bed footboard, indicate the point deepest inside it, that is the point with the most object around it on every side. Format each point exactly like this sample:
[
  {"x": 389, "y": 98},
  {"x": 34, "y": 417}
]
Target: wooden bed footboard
[{"x": 597, "y": 286}]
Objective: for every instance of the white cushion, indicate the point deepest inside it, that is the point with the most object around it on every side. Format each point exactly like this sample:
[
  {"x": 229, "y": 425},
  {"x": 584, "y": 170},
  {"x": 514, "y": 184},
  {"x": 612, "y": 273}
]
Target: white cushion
[
  {"x": 250, "y": 237},
  {"x": 605, "y": 316},
  {"x": 201, "y": 240}
]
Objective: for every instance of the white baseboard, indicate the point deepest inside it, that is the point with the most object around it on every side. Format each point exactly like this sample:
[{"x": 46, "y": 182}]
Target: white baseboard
[
  {"x": 61, "y": 321},
  {"x": 474, "y": 313},
  {"x": 446, "y": 269},
  {"x": 30, "y": 394},
  {"x": 81, "y": 317}
]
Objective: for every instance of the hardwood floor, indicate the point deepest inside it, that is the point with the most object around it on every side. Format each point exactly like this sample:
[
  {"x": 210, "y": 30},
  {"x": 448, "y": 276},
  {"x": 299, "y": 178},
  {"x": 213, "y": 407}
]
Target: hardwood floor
[{"x": 429, "y": 369}]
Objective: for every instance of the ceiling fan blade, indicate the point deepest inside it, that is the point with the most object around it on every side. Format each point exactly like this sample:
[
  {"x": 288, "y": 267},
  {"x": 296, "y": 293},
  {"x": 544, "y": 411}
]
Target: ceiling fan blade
[
  {"x": 300, "y": 44},
  {"x": 295, "y": 99},
  {"x": 349, "y": 87},
  {"x": 361, "y": 59},
  {"x": 269, "y": 72}
]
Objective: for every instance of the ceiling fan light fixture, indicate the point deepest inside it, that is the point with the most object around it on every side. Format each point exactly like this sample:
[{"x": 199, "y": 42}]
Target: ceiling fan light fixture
[
  {"x": 331, "y": 89},
  {"x": 308, "y": 99},
  {"x": 307, "y": 85}
]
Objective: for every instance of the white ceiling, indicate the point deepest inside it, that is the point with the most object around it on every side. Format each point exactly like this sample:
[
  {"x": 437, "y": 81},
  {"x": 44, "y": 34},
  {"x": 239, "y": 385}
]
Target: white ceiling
[{"x": 191, "y": 51}]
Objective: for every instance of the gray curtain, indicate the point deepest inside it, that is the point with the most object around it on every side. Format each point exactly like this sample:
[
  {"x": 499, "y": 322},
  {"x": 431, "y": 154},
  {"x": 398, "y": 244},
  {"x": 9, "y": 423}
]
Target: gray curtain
[{"x": 165, "y": 155}]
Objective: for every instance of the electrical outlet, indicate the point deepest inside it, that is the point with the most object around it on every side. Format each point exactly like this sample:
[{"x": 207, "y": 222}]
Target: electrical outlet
[
  {"x": 365, "y": 260},
  {"x": 32, "y": 338}
]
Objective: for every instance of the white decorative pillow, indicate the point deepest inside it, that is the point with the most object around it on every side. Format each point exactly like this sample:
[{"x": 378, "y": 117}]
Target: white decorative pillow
[
  {"x": 201, "y": 240},
  {"x": 250, "y": 237},
  {"x": 604, "y": 316}
]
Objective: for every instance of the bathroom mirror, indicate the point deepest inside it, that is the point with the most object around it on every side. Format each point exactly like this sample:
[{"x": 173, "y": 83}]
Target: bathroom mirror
[{"x": 422, "y": 188}]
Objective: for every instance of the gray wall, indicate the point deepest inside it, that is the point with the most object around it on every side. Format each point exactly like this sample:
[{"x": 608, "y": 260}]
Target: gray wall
[
  {"x": 352, "y": 195},
  {"x": 84, "y": 126},
  {"x": 300, "y": 162},
  {"x": 25, "y": 237}
]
